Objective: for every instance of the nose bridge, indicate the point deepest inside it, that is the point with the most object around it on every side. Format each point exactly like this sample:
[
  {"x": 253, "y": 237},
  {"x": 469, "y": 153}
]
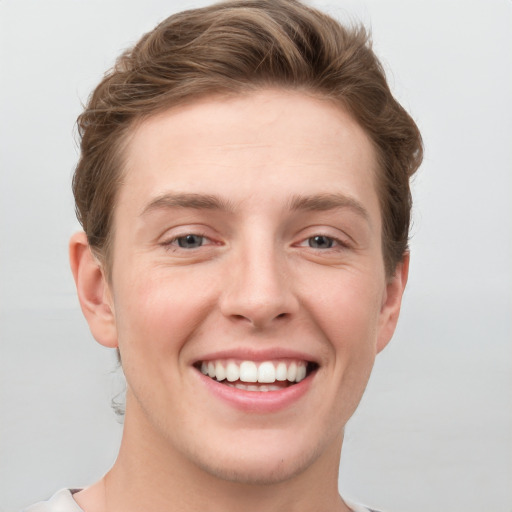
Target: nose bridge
[{"x": 259, "y": 289}]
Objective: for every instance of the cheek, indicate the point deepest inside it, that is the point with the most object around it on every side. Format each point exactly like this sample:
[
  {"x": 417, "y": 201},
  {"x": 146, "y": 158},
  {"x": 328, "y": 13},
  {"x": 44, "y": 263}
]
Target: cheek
[
  {"x": 348, "y": 312},
  {"x": 156, "y": 314},
  {"x": 348, "y": 317}
]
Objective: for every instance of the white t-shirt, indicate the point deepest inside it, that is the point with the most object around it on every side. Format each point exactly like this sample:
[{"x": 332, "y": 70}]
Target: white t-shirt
[{"x": 63, "y": 501}]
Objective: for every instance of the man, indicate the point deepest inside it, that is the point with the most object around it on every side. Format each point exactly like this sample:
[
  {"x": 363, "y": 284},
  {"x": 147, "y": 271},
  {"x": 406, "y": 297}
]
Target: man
[{"x": 244, "y": 192}]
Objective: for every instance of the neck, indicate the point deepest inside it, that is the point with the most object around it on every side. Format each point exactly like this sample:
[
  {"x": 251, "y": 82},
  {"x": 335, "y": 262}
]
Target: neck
[{"x": 151, "y": 475}]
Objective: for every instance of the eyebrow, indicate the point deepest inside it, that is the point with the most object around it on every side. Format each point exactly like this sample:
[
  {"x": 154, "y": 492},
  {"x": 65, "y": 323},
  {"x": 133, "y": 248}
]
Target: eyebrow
[
  {"x": 316, "y": 202},
  {"x": 324, "y": 202},
  {"x": 188, "y": 200}
]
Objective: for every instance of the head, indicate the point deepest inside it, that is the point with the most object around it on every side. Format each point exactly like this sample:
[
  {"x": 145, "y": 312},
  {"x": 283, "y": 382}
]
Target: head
[
  {"x": 244, "y": 190},
  {"x": 234, "y": 48}
]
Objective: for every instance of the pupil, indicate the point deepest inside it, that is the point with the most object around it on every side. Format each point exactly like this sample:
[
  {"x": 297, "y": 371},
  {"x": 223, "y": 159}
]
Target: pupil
[
  {"x": 190, "y": 241},
  {"x": 320, "y": 242}
]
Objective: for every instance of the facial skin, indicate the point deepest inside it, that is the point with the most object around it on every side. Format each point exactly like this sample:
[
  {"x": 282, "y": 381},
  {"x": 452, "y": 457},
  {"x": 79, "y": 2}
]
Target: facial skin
[{"x": 286, "y": 264}]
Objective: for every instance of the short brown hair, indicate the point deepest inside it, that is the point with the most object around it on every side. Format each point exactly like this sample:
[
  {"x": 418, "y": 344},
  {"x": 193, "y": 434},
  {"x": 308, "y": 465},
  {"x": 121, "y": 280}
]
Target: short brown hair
[{"x": 231, "y": 48}]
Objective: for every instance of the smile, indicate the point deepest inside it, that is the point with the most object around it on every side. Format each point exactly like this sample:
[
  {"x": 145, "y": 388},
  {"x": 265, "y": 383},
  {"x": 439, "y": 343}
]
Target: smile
[{"x": 257, "y": 376}]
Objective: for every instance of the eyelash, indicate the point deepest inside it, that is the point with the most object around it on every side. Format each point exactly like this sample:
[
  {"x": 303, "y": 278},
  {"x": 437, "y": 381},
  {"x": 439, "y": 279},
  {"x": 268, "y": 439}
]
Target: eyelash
[
  {"x": 336, "y": 243},
  {"x": 173, "y": 243}
]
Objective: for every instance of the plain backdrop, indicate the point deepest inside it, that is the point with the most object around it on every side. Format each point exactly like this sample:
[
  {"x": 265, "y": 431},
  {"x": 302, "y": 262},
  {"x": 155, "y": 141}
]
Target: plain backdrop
[{"x": 434, "y": 430}]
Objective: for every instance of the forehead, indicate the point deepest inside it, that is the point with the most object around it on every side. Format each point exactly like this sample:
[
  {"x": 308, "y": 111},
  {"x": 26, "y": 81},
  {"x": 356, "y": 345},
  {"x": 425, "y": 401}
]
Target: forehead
[{"x": 273, "y": 141}]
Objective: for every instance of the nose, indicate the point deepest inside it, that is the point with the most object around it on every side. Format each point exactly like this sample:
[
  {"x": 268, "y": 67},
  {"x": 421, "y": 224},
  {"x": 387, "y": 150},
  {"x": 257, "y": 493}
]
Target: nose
[{"x": 260, "y": 290}]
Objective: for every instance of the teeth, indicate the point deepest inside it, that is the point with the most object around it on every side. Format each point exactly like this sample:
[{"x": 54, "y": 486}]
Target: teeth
[
  {"x": 281, "y": 372},
  {"x": 266, "y": 372},
  {"x": 292, "y": 372},
  {"x": 220, "y": 372},
  {"x": 253, "y": 387},
  {"x": 248, "y": 372},
  {"x": 301, "y": 373},
  {"x": 232, "y": 372}
]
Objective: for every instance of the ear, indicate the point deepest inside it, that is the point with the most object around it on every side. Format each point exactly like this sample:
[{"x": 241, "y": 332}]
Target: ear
[
  {"x": 392, "y": 301},
  {"x": 93, "y": 291}
]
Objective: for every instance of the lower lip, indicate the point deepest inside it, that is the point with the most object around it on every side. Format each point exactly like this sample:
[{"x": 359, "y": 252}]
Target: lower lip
[{"x": 258, "y": 401}]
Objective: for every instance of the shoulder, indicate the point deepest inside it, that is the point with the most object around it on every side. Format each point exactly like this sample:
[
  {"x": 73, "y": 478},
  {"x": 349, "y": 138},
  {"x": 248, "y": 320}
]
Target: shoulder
[
  {"x": 355, "y": 507},
  {"x": 61, "y": 501}
]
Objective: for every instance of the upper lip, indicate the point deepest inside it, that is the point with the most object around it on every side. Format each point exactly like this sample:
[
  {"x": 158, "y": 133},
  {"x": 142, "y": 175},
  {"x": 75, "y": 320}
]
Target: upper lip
[{"x": 257, "y": 355}]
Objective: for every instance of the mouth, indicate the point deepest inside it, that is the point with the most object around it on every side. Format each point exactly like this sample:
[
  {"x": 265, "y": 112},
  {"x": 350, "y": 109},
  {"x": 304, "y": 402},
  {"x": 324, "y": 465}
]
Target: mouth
[{"x": 262, "y": 376}]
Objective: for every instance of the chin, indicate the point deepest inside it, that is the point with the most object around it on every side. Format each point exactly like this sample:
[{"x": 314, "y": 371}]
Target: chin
[
  {"x": 255, "y": 474},
  {"x": 259, "y": 467}
]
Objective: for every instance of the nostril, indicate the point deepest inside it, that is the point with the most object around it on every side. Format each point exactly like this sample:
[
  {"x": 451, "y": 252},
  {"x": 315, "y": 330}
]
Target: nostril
[{"x": 258, "y": 322}]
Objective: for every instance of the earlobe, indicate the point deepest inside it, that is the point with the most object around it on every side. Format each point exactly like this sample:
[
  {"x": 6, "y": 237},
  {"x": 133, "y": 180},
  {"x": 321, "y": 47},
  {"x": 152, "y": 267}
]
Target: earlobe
[
  {"x": 93, "y": 291},
  {"x": 392, "y": 302}
]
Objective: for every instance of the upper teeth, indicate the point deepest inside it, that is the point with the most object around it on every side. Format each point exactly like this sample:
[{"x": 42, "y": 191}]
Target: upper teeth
[{"x": 250, "y": 371}]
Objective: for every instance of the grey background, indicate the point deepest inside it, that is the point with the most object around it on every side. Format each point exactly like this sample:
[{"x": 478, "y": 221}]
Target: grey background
[{"x": 434, "y": 430}]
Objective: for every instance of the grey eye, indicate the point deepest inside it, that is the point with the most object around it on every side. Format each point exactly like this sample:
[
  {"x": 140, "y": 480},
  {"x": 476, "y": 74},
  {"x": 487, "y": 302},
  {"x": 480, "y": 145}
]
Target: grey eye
[
  {"x": 190, "y": 241},
  {"x": 320, "y": 242}
]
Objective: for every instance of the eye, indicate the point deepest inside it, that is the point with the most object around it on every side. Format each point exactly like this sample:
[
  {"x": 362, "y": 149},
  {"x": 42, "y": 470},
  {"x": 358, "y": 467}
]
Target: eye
[
  {"x": 190, "y": 241},
  {"x": 321, "y": 242}
]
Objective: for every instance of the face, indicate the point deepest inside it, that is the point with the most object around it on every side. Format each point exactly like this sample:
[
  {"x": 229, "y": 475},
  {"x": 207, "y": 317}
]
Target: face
[{"x": 248, "y": 291}]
